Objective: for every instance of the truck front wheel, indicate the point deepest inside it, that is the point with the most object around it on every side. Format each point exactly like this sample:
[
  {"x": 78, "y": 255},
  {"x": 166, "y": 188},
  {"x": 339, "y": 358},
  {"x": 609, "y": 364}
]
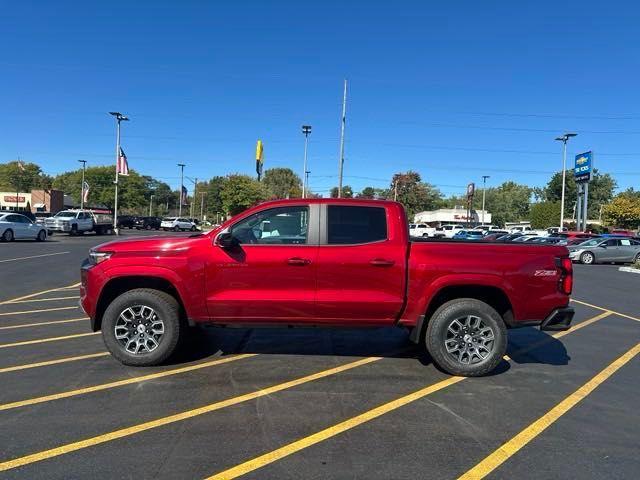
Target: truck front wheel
[
  {"x": 142, "y": 327},
  {"x": 466, "y": 337}
]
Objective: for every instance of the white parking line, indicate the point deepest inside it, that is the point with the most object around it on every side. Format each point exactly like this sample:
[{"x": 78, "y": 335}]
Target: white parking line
[
  {"x": 43, "y": 299},
  {"x": 32, "y": 256},
  {"x": 35, "y": 294}
]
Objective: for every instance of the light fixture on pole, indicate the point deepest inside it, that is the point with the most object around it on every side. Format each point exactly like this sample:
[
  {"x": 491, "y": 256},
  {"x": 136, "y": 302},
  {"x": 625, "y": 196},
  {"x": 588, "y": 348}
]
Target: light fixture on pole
[
  {"x": 181, "y": 165},
  {"x": 564, "y": 139},
  {"x": 119, "y": 118},
  {"x": 84, "y": 166},
  {"x": 306, "y": 130},
  {"x": 484, "y": 187}
]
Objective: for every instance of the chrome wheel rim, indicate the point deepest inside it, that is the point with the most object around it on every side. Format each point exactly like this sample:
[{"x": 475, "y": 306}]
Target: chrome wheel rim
[
  {"x": 469, "y": 340},
  {"x": 139, "y": 330},
  {"x": 587, "y": 258}
]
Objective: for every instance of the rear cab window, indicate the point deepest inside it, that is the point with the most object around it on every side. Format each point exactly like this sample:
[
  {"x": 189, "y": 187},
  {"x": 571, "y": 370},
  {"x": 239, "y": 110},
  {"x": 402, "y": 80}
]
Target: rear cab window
[{"x": 352, "y": 225}]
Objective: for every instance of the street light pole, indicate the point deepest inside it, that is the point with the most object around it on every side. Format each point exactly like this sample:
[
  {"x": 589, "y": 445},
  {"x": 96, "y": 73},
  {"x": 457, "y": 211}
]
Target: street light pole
[
  {"x": 150, "y": 204},
  {"x": 202, "y": 194},
  {"x": 119, "y": 118},
  {"x": 342, "y": 126},
  {"x": 181, "y": 165},
  {"x": 564, "y": 139},
  {"x": 484, "y": 185},
  {"x": 84, "y": 165},
  {"x": 306, "y": 130}
]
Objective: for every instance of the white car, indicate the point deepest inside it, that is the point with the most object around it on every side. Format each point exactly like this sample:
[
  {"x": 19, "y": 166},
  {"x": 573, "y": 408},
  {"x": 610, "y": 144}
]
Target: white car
[
  {"x": 14, "y": 226},
  {"x": 178, "y": 224},
  {"x": 421, "y": 230},
  {"x": 448, "y": 231}
]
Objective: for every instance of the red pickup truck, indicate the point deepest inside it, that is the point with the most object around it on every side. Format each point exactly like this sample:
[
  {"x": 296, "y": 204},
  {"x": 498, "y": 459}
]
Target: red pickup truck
[{"x": 329, "y": 262}]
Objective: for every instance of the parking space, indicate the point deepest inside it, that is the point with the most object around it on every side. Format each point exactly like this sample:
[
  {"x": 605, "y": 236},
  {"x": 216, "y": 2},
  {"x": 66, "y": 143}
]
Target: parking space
[{"x": 309, "y": 403}]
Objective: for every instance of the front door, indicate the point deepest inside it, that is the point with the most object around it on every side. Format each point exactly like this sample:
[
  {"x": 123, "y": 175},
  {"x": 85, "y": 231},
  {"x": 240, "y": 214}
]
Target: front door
[
  {"x": 270, "y": 274},
  {"x": 361, "y": 266}
]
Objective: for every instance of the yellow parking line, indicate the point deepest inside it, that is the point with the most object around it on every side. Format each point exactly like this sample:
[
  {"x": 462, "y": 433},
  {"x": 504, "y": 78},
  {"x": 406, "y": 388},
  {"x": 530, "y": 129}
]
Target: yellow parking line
[
  {"x": 32, "y": 256},
  {"x": 53, "y": 322},
  {"x": 121, "y": 383},
  {"x": 337, "y": 429},
  {"x": 606, "y": 310},
  {"x": 31, "y": 295},
  {"x": 141, "y": 427},
  {"x": 318, "y": 437},
  {"x": 45, "y": 340},
  {"x": 43, "y": 299},
  {"x": 52, "y": 362},
  {"x": 511, "y": 447},
  {"x": 38, "y": 311},
  {"x": 556, "y": 335}
]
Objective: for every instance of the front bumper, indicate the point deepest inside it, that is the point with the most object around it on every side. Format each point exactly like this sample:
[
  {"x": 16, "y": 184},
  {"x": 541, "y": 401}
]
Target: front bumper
[
  {"x": 575, "y": 254},
  {"x": 558, "y": 320}
]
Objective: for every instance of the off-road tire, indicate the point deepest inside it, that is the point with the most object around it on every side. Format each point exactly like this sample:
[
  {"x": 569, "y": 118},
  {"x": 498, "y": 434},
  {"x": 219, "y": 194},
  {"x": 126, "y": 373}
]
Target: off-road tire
[
  {"x": 437, "y": 332},
  {"x": 166, "y": 307}
]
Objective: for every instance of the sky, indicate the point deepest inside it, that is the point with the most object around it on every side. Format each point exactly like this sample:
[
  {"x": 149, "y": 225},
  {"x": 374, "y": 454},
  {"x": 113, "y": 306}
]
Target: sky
[{"x": 453, "y": 90}]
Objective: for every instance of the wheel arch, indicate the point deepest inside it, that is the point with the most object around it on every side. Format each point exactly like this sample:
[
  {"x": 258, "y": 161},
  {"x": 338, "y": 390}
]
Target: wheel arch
[
  {"x": 118, "y": 285},
  {"x": 493, "y": 296}
]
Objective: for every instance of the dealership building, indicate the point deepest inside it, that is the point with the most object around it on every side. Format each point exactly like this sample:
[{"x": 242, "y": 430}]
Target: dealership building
[
  {"x": 444, "y": 216},
  {"x": 35, "y": 201}
]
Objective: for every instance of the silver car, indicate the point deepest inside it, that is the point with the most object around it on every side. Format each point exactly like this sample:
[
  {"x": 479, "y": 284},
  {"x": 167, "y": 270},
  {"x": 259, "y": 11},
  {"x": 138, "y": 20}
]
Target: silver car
[
  {"x": 15, "y": 226},
  {"x": 606, "y": 250}
]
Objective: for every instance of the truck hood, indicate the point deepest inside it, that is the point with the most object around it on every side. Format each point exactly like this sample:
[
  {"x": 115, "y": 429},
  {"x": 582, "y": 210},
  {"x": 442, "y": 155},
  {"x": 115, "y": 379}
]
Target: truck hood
[
  {"x": 60, "y": 218},
  {"x": 164, "y": 244}
]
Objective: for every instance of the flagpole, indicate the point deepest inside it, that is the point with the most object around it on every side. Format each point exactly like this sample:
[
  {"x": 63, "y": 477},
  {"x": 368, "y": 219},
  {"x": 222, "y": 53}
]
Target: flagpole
[
  {"x": 119, "y": 118},
  {"x": 342, "y": 126},
  {"x": 84, "y": 164}
]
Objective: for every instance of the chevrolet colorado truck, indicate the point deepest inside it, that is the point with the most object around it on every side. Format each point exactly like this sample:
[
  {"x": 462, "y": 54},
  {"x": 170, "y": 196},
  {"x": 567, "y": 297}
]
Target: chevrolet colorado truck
[{"x": 325, "y": 262}]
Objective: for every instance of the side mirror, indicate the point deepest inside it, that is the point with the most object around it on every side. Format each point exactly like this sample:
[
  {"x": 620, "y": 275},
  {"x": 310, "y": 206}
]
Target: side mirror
[
  {"x": 603, "y": 245},
  {"x": 227, "y": 240}
]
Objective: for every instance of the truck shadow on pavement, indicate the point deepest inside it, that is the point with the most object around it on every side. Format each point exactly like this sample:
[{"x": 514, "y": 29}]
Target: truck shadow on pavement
[{"x": 388, "y": 342}]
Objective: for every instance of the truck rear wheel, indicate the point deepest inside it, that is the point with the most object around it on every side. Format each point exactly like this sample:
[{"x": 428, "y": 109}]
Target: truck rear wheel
[
  {"x": 142, "y": 327},
  {"x": 466, "y": 337}
]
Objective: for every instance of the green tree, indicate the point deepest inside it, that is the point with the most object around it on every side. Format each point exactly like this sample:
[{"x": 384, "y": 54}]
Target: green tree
[
  {"x": 367, "y": 192},
  {"x": 622, "y": 212},
  {"x": 347, "y": 192},
  {"x": 240, "y": 192},
  {"x": 282, "y": 183},
  {"x": 14, "y": 177},
  {"x": 413, "y": 193},
  {"x": 508, "y": 202},
  {"x": 601, "y": 190},
  {"x": 545, "y": 214}
]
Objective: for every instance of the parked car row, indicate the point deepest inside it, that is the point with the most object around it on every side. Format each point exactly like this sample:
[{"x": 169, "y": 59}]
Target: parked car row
[{"x": 156, "y": 223}]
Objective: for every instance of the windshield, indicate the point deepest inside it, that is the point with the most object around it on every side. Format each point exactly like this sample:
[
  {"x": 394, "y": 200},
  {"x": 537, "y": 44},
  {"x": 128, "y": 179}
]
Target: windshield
[
  {"x": 65, "y": 213},
  {"x": 591, "y": 243}
]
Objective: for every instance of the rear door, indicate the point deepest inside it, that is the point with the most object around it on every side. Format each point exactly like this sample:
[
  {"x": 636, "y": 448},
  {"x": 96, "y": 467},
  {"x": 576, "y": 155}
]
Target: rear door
[{"x": 361, "y": 265}]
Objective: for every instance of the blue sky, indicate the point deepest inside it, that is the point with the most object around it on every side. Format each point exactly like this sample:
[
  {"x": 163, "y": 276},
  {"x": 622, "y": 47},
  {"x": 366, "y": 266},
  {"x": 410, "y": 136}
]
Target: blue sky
[{"x": 453, "y": 90}]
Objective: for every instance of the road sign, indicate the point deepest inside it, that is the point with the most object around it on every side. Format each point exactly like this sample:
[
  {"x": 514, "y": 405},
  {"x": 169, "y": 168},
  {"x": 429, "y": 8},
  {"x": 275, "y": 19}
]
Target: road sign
[{"x": 582, "y": 167}]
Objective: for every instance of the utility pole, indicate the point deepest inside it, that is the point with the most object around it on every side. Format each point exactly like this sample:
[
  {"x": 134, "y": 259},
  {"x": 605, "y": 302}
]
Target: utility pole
[
  {"x": 84, "y": 165},
  {"x": 181, "y": 165},
  {"x": 342, "y": 125},
  {"x": 150, "y": 204},
  {"x": 306, "y": 130},
  {"x": 484, "y": 185},
  {"x": 395, "y": 190},
  {"x": 564, "y": 139},
  {"x": 202, "y": 194},
  {"x": 193, "y": 200},
  {"x": 119, "y": 118}
]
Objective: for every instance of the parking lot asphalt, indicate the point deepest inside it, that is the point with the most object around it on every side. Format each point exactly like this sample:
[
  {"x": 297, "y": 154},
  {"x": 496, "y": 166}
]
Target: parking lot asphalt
[{"x": 309, "y": 403}]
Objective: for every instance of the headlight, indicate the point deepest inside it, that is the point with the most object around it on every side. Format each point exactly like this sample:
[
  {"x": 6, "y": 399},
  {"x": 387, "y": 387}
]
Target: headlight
[{"x": 98, "y": 257}]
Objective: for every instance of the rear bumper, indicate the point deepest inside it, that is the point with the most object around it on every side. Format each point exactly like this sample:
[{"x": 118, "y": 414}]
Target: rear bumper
[{"x": 558, "y": 320}]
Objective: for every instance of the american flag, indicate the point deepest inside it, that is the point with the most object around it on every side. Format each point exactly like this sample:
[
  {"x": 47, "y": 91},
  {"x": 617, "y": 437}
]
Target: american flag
[
  {"x": 183, "y": 196},
  {"x": 85, "y": 192},
  {"x": 123, "y": 166}
]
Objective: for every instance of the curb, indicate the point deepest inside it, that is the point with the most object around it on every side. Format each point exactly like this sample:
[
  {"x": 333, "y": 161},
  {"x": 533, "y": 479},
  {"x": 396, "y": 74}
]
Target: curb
[{"x": 629, "y": 269}]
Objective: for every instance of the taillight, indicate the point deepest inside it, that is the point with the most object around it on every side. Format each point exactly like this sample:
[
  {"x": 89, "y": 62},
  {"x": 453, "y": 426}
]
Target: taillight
[{"x": 565, "y": 285}]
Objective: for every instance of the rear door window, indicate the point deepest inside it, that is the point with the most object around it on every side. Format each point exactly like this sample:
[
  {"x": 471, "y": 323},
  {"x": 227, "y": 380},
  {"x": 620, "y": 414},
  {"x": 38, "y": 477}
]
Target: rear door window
[{"x": 349, "y": 225}]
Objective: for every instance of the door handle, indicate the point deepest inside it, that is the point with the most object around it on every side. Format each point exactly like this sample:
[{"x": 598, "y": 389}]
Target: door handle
[
  {"x": 298, "y": 261},
  {"x": 381, "y": 262}
]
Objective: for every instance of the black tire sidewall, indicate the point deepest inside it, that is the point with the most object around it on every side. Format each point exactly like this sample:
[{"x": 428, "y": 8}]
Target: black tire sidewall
[
  {"x": 42, "y": 236},
  {"x": 9, "y": 232},
  {"x": 437, "y": 330},
  {"x": 167, "y": 309}
]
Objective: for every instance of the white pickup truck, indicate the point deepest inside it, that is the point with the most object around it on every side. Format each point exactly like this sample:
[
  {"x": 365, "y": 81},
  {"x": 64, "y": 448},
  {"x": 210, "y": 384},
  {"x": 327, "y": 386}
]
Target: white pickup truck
[
  {"x": 421, "y": 230},
  {"x": 76, "y": 222}
]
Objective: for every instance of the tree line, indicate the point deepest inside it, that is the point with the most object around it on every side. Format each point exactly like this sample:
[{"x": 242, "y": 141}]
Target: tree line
[{"x": 229, "y": 195}]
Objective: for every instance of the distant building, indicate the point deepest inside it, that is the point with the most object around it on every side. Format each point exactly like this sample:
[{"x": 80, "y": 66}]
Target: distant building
[
  {"x": 45, "y": 201},
  {"x": 443, "y": 216}
]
